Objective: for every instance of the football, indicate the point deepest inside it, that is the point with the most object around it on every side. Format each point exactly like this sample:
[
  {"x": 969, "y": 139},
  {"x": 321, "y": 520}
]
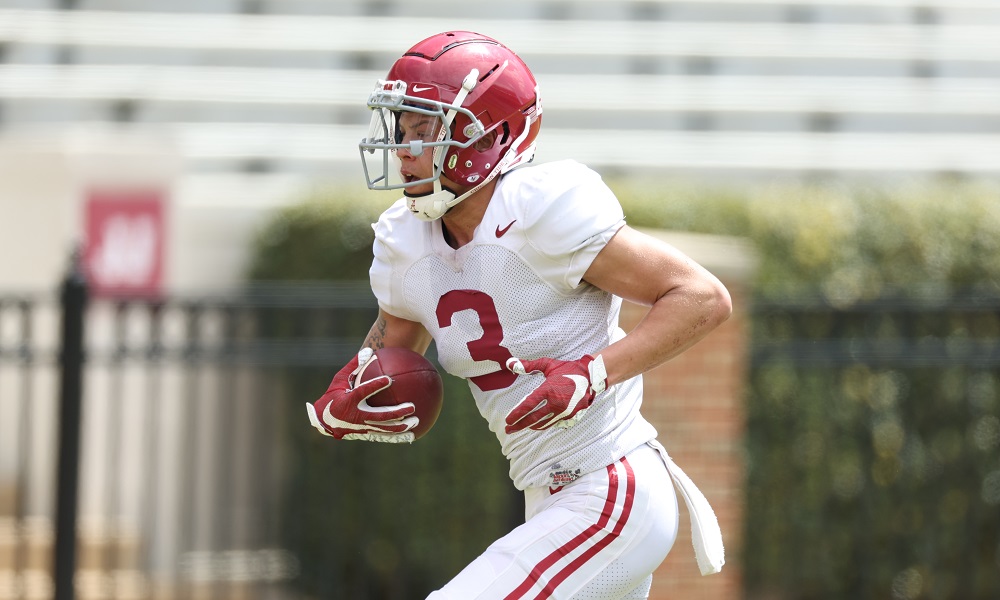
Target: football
[{"x": 414, "y": 379}]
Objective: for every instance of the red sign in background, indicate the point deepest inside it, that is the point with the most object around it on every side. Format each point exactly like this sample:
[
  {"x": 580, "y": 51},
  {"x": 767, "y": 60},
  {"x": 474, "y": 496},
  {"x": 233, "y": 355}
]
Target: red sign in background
[{"x": 124, "y": 249}]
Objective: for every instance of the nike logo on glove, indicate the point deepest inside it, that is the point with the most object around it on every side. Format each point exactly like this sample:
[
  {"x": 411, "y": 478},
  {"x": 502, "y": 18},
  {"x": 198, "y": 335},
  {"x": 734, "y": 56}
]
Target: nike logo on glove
[
  {"x": 582, "y": 386},
  {"x": 571, "y": 416},
  {"x": 500, "y": 232}
]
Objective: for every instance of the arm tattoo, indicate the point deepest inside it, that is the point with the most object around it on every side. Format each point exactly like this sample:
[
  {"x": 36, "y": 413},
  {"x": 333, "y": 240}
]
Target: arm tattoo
[{"x": 376, "y": 337}]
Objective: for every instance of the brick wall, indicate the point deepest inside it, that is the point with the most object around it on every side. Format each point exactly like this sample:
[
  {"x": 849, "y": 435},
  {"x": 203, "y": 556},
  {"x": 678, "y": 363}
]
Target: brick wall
[{"x": 696, "y": 403}]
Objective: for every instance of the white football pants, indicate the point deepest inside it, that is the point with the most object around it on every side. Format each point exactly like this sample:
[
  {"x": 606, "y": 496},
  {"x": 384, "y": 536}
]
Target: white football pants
[{"x": 599, "y": 537}]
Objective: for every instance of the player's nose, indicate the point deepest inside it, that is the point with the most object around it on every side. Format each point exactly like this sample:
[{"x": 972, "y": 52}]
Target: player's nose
[{"x": 411, "y": 148}]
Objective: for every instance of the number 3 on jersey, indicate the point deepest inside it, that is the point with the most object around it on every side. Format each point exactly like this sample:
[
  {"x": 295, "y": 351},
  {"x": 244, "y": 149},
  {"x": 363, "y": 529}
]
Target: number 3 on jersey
[{"x": 486, "y": 347}]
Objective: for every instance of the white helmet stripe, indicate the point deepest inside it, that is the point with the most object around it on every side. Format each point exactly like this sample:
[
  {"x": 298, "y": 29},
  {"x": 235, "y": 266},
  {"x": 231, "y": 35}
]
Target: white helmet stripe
[{"x": 439, "y": 151}]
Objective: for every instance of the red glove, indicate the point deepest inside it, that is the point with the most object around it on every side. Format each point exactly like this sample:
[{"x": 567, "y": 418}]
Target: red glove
[
  {"x": 563, "y": 398},
  {"x": 343, "y": 411}
]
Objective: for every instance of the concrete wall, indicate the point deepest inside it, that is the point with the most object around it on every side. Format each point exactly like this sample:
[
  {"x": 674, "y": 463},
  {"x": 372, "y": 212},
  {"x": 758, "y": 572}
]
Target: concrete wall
[
  {"x": 44, "y": 180},
  {"x": 210, "y": 218}
]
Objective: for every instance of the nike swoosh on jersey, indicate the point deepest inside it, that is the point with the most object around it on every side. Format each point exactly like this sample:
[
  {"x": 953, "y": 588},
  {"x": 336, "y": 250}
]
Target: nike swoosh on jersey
[{"x": 500, "y": 232}]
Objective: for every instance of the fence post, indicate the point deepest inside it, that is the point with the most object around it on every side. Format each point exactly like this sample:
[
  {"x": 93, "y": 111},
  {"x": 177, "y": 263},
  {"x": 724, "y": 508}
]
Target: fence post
[{"x": 73, "y": 298}]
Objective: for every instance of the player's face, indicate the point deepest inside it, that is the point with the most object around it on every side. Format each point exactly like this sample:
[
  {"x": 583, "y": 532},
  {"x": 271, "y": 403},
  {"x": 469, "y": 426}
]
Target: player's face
[{"x": 412, "y": 167}]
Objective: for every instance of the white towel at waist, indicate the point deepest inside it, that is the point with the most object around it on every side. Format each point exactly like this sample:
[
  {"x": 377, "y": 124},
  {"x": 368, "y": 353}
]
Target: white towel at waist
[{"x": 706, "y": 536}]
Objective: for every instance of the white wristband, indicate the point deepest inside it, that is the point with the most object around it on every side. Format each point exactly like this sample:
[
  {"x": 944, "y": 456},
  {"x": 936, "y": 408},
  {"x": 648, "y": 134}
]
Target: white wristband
[{"x": 598, "y": 375}]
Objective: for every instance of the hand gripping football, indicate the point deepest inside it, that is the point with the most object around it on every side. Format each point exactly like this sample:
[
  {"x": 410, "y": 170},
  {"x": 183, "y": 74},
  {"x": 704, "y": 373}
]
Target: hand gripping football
[{"x": 414, "y": 379}]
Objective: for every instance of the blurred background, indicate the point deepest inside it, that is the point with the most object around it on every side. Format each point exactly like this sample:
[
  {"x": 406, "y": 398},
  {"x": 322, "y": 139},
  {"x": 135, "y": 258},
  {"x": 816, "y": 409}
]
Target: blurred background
[{"x": 184, "y": 246}]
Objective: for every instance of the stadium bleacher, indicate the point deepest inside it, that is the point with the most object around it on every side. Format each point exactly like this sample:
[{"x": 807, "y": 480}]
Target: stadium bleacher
[{"x": 789, "y": 86}]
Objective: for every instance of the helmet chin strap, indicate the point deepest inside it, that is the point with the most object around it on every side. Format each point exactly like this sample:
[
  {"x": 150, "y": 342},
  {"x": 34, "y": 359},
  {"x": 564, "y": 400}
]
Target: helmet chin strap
[{"x": 433, "y": 206}]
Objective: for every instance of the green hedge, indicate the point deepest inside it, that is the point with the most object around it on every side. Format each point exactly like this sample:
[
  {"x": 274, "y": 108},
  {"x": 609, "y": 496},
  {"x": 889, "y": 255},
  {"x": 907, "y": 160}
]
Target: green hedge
[
  {"x": 850, "y": 242},
  {"x": 326, "y": 236},
  {"x": 869, "y": 475}
]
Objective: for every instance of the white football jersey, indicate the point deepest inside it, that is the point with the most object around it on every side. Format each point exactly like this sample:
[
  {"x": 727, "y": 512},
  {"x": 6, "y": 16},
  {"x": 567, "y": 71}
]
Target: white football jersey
[{"x": 516, "y": 290}]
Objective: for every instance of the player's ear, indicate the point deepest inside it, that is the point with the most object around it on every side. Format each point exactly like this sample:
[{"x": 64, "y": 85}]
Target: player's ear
[{"x": 486, "y": 142}]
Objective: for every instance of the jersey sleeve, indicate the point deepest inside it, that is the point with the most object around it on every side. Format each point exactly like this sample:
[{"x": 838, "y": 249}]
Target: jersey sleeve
[
  {"x": 386, "y": 272},
  {"x": 574, "y": 221}
]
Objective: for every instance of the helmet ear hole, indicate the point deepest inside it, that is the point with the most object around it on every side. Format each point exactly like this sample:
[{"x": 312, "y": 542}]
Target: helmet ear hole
[
  {"x": 506, "y": 133},
  {"x": 486, "y": 142}
]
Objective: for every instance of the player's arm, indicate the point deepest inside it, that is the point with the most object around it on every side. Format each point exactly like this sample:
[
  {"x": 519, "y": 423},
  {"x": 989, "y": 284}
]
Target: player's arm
[
  {"x": 392, "y": 331},
  {"x": 686, "y": 301},
  {"x": 343, "y": 411}
]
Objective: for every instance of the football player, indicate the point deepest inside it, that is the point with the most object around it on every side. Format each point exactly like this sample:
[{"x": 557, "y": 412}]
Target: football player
[{"x": 517, "y": 273}]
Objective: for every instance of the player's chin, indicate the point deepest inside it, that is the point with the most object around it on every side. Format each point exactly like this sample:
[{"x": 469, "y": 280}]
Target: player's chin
[{"x": 421, "y": 189}]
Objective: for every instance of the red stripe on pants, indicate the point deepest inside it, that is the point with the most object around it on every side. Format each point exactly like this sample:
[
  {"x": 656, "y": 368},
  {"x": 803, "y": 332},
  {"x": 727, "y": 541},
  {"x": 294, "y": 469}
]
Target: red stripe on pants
[
  {"x": 589, "y": 533},
  {"x": 579, "y": 561}
]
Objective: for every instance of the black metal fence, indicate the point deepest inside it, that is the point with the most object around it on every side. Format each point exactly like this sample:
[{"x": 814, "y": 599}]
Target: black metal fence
[
  {"x": 159, "y": 466},
  {"x": 874, "y": 447},
  {"x": 162, "y": 452}
]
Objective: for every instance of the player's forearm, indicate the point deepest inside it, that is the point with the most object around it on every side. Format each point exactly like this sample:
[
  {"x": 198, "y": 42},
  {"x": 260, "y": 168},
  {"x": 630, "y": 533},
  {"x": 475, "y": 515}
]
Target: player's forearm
[
  {"x": 675, "y": 322},
  {"x": 391, "y": 331}
]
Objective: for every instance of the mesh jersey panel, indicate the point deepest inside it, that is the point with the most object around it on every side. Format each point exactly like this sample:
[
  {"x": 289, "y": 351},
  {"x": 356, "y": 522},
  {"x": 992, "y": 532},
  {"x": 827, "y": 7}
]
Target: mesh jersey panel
[{"x": 515, "y": 290}]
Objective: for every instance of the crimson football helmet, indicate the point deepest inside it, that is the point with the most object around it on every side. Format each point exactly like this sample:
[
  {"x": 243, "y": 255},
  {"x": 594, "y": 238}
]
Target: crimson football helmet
[{"x": 474, "y": 86}]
